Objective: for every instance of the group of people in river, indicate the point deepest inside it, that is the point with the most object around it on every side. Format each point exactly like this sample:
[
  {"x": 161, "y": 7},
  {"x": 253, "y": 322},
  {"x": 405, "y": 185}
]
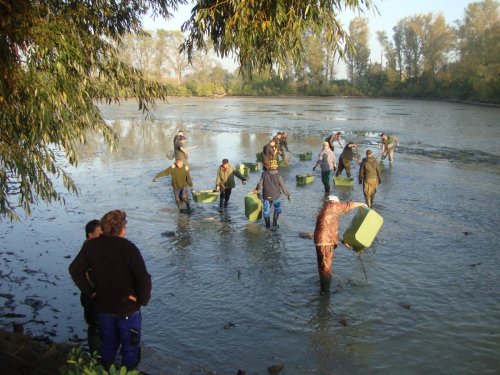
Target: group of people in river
[
  {"x": 326, "y": 231},
  {"x": 111, "y": 274}
]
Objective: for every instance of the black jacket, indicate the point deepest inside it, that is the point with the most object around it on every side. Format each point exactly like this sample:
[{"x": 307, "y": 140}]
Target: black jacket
[
  {"x": 272, "y": 185},
  {"x": 118, "y": 271}
]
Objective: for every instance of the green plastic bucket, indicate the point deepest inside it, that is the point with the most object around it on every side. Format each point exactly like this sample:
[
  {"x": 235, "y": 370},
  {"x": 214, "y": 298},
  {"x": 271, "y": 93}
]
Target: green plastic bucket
[
  {"x": 363, "y": 228},
  {"x": 304, "y": 179},
  {"x": 253, "y": 207},
  {"x": 343, "y": 181},
  {"x": 204, "y": 196}
]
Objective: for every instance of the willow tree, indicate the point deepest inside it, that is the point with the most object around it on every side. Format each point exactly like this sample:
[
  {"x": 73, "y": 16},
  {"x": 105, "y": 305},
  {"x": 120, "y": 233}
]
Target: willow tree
[
  {"x": 58, "y": 60},
  {"x": 266, "y": 34}
]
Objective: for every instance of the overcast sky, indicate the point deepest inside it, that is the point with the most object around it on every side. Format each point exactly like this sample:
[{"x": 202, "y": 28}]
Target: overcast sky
[{"x": 390, "y": 12}]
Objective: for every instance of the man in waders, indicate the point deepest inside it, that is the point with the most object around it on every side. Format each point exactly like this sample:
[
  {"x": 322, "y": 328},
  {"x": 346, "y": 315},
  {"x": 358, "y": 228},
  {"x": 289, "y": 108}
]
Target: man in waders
[
  {"x": 121, "y": 286},
  {"x": 224, "y": 182},
  {"x": 388, "y": 146},
  {"x": 326, "y": 236},
  {"x": 181, "y": 182},
  {"x": 345, "y": 160},
  {"x": 326, "y": 160},
  {"x": 369, "y": 175},
  {"x": 272, "y": 185}
]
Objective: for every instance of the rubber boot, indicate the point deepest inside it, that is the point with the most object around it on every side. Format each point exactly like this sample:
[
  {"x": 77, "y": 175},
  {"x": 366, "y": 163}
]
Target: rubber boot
[
  {"x": 268, "y": 222},
  {"x": 188, "y": 207},
  {"x": 325, "y": 281},
  {"x": 275, "y": 219},
  {"x": 221, "y": 203}
]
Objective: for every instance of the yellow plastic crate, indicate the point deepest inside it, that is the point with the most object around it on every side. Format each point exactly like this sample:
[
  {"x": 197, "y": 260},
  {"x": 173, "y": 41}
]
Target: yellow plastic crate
[
  {"x": 253, "y": 207},
  {"x": 343, "y": 181},
  {"x": 306, "y": 156},
  {"x": 304, "y": 179},
  {"x": 363, "y": 228},
  {"x": 205, "y": 196}
]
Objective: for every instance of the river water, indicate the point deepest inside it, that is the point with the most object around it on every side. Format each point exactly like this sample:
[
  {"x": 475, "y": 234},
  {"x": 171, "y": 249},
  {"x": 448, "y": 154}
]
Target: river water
[{"x": 229, "y": 294}]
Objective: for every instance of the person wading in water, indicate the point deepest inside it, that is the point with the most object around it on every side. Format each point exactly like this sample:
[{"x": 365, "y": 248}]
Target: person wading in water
[{"x": 326, "y": 236}]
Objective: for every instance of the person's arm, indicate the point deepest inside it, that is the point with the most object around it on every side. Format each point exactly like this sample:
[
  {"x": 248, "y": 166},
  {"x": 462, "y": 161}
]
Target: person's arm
[
  {"x": 218, "y": 180},
  {"x": 285, "y": 145},
  {"x": 165, "y": 172},
  {"x": 377, "y": 168},
  {"x": 188, "y": 177},
  {"x": 259, "y": 186},
  {"x": 283, "y": 188},
  {"x": 361, "y": 172},
  {"x": 320, "y": 156},
  {"x": 397, "y": 140},
  {"x": 356, "y": 205},
  {"x": 334, "y": 161},
  {"x": 184, "y": 151},
  {"x": 142, "y": 279},
  {"x": 78, "y": 271},
  {"x": 238, "y": 174}
]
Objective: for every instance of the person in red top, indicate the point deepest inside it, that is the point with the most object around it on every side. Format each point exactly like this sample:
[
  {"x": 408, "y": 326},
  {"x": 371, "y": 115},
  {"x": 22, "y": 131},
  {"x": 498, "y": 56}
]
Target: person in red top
[{"x": 326, "y": 236}]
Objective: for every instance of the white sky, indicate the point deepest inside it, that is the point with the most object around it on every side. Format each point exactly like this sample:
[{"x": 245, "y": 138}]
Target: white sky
[{"x": 390, "y": 12}]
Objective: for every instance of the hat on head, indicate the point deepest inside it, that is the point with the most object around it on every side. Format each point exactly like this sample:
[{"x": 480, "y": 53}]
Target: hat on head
[{"x": 333, "y": 198}]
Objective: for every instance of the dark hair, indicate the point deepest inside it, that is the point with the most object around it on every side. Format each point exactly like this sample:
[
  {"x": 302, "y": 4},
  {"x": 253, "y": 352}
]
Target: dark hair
[
  {"x": 225, "y": 161},
  {"x": 113, "y": 222},
  {"x": 368, "y": 152},
  {"x": 91, "y": 227}
]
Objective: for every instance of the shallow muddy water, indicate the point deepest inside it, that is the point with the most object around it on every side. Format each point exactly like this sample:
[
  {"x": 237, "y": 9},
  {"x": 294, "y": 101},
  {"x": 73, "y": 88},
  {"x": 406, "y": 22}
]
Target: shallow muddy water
[{"x": 229, "y": 294}]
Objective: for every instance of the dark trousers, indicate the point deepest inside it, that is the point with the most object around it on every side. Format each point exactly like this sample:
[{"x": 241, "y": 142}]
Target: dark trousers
[
  {"x": 93, "y": 334},
  {"x": 326, "y": 177},
  {"x": 181, "y": 195},
  {"x": 344, "y": 164},
  {"x": 124, "y": 331},
  {"x": 224, "y": 197}
]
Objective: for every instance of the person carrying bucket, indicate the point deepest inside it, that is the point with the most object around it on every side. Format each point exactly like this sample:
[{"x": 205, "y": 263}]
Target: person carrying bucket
[
  {"x": 272, "y": 185},
  {"x": 224, "y": 181},
  {"x": 326, "y": 236}
]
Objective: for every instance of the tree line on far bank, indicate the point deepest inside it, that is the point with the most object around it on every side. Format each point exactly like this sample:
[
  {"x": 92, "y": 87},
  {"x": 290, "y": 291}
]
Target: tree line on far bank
[{"x": 425, "y": 58}]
